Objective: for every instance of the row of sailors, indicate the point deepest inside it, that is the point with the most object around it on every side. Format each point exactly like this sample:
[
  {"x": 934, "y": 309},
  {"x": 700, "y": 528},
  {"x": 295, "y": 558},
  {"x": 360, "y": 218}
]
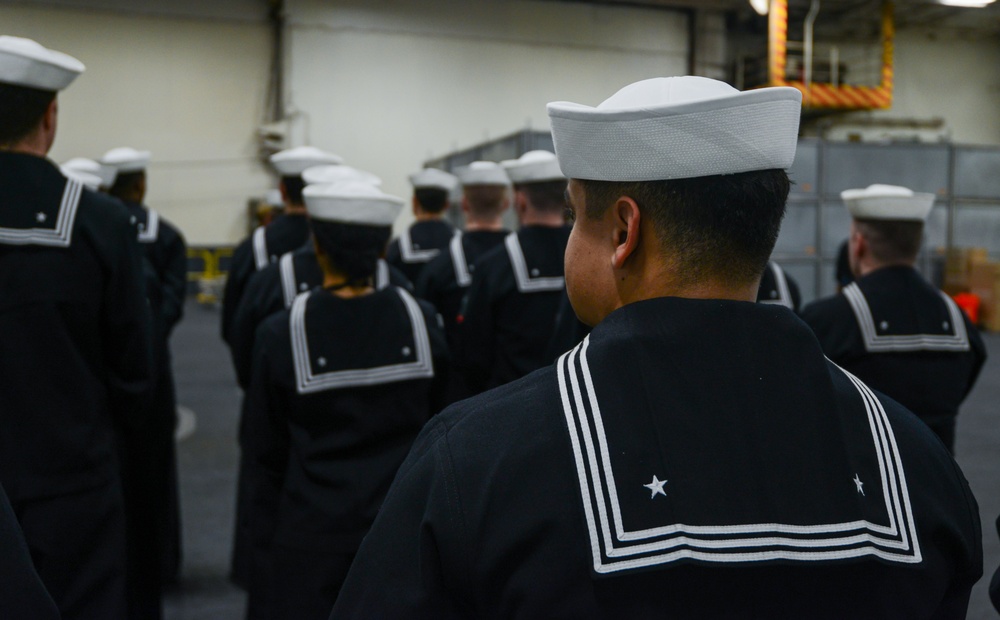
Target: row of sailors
[{"x": 778, "y": 478}]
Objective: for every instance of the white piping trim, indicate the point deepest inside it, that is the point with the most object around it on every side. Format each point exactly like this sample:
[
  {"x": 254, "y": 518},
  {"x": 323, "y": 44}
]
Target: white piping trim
[
  {"x": 61, "y": 235},
  {"x": 260, "y": 256},
  {"x": 307, "y": 382},
  {"x": 462, "y": 275},
  {"x": 381, "y": 274},
  {"x": 286, "y": 268},
  {"x": 781, "y": 284},
  {"x": 616, "y": 551},
  {"x": 525, "y": 283},
  {"x": 410, "y": 255},
  {"x": 149, "y": 231},
  {"x": 874, "y": 343}
]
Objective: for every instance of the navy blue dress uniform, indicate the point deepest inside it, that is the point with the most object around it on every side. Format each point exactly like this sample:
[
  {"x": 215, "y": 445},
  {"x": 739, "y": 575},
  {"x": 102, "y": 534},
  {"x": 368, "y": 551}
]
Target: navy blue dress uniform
[
  {"x": 76, "y": 351},
  {"x": 284, "y": 234},
  {"x": 23, "y": 595},
  {"x": 691, "y": 458},
  {"x": 508, "y": 314},
  {"x": 340, "y": 388},
  {"x": 424, "y": 239},
  {"x": 777, "y": 287},
  {"x": 900, "y": 334}
]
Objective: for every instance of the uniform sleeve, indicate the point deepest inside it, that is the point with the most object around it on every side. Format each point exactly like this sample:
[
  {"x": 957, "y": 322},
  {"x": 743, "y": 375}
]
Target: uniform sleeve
[
  {"x": 995, "y": 583},
  {"x": 266, "y": 442},
  {"x": 126, "y": 327},
  {"x": 441, "y": 357},
  {"x": 474, "y": 353},
  {"x": 978, "y": 352},
  {"x": 247, "y": 319},
  {"x": 969, "y": 556},
  {"x": 240, "y": 269},
  {"x": 426, "y": 287},
  {"x": 793, "y": 290},
  {"x": 393, "y": 256},
  {"x": 174, "y": 278},
  {"x": 398, "y": 278},
  {"x": 23, "y": 595},
  {"x": 404, "y": 568}
]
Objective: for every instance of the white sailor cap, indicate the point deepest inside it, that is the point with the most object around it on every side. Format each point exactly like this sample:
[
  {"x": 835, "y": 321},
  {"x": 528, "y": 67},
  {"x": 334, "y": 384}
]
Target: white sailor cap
[
  {"x": 126, "y": 159},
  {"x": 887, "y": 202},
  {"x": 106, "y": 174},
  {"x": 89, "y": 180},
  {"x": 351, "y": 202},
  {"x": 324, "y": 175},
  {"x": 533, "y": 167},
  {"x": 293, "y": 162},
  {"x": 273, "y": 198},
  {"x": 676, "y": 128},
  {"x": 482, "y": 173},
  {"x": 432, "y": 178},
  {"x": 24, "y": 62}
]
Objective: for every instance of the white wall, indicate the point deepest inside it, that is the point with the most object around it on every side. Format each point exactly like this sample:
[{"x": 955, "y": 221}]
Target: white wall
[
  {"x": 939, "y": 75},
  {"x": 390, "y": 84},
  {"x": 190, "y": 90}
]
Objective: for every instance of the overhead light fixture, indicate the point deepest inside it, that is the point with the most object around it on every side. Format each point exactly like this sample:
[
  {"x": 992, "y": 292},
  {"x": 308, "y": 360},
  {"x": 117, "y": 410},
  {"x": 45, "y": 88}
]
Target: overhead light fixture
[
  {"x": 975, "y": 4},
  {"x": 761, "y": 6}
]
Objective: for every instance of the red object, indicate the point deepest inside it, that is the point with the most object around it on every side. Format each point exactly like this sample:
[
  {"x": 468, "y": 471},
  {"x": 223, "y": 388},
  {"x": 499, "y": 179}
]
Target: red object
[{"x": 969, "y": 302}]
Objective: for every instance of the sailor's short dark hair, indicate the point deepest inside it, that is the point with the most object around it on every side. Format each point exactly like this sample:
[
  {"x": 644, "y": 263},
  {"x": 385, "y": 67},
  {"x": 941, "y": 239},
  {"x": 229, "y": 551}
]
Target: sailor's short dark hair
[
  {"x": 547, "y": 196},
  {"x": 431, "y": 199},
  {"x": 293, "y": 189},
  {"x": 352, "y": 249},
  {"x": 21, "y": 111},
  {"x": 125, "y": 183},
  {"x": 892, "y": 241},
  {"x": 721, "y": 227}
]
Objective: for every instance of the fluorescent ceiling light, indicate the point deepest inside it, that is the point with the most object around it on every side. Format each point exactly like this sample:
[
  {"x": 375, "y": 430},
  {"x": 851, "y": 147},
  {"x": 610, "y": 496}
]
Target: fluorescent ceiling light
[
  {"x": 761, "y": 6},
  {"x": 978, "y": 4}
]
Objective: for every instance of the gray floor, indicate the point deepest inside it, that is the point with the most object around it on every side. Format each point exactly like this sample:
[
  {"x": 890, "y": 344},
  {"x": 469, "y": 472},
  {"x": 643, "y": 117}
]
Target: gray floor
[{"x": 207, "y": 461}]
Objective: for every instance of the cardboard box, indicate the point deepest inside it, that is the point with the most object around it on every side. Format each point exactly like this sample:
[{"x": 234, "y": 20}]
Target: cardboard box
[
  {"x": 984, "y": 281},
  {"x": 958, "y": 264}
]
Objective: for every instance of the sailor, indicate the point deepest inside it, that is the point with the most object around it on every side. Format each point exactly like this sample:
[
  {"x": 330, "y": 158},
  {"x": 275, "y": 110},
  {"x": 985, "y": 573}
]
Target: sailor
[
  {"x": 890, "y": 327},
  {"x": 508, "y": 314},
  {"x": 284, "y": 234},
  {"x": 76, "y": 348},
  {"x": 271, "y": 290},
  {"x": 696, "y": 455},
  {"x": 445, "y": 279},
  {"x": 777, "y": 287},
  {"x": 430, "y": 234},
  {"x": 342, "y": 383},
  {"x": 104, "y": 175}
]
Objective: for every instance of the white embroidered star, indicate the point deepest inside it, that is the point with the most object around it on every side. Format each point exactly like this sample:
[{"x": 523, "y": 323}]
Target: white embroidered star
[
  {"x": 884, "y": 325},
  {"x": 534, "y": 273},
  {"x": 321, "y": 361},
  {"x": 406, "y": 351},
  {"x": 303, "y": 286},
  {"x": 656, "y": 486},
  {"x": 945, "y": 325},
  {"x": 859, "y": 484},
  {"x": 41, "y": 217}
]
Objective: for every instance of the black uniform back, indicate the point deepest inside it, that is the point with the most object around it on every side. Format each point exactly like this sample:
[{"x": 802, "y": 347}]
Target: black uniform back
[
  {"x": 23, "y": 595},
  {"x": 262, "y": 248},
  {"x": 689, "y": 459},
  {"x": 76, "y": 354},
  {"x": 340, "y": 389},
  {"x": 905, "y": 338},
  {"x": 447, "y": 277},
  {"x": 509, "y": 313},
  {"x": 418, "y": 245},
  {"x": 777, "y": 287}
]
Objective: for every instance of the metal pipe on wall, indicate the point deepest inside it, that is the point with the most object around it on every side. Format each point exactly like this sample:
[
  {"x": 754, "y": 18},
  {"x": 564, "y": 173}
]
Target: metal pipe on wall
[{"x": 808, "y": 52}]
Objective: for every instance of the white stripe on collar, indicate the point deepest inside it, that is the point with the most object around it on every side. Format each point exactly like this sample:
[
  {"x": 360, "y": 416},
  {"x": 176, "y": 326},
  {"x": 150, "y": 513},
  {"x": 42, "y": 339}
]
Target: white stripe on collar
[
  {"x": 613, "y": 548},
  {"x": 381, "y": 274},
  {"x": 58, "y": 237},
  {"x": 462, "y": 275},
  {"x": 410, "y": 255},
  {"x": 261, "y": 258},
  {"x": 307, "y": 382},
  {"x": 149, "y": 232},
  {"x": 958, "y": 340},
  {"x": 526, "y": 283},
  {"x": 781, "y": 285},
  {"x": 289, "y": 287}
]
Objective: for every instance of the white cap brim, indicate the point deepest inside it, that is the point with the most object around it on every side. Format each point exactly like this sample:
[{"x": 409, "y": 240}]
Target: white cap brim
[
  {"x": 125, "y": 160},
  {"x": 24, "y": 62},
  {"x": 482, "y": 173},
  {"x": 351, "y": 203},
  {"x": 107, "y": 174},
  {"x": 89, "y": 180},
  {"x": 533, "y": 167},
  {"x": 722, "y": 132},
  {"x": 887, "y": 202},
  {"x": 325, "y": 175},
  {"x": 432, "y": 178},
  {"x": 293, "y": 162}
]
